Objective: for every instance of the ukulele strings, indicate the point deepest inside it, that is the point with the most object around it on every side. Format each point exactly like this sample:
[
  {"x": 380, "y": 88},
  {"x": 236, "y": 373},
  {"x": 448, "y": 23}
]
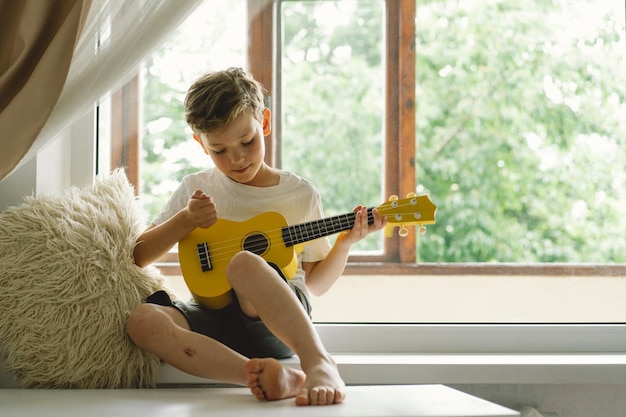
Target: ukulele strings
[{"x": 224, "y": 249}]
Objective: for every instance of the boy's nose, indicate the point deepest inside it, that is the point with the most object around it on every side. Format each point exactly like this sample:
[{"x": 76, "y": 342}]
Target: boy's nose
[{"x": 236, "y": 156}]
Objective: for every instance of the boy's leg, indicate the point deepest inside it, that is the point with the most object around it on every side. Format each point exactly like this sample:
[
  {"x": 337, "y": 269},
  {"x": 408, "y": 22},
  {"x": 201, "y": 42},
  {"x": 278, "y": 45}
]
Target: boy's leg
[
  {"x": 267, "y": 296},
  {"x": 164, "y": 332}
]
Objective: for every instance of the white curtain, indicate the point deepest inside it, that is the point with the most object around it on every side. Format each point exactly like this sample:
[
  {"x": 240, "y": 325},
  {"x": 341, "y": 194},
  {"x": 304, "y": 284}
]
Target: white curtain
[
  {"x": 117, "y": 35},
  {"x": 37, "y": 41}
]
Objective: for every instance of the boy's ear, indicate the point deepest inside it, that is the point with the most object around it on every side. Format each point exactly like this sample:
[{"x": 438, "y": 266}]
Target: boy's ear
[
  {"x": 267, "y": 123},
  {"x": 206, "y": 151}
]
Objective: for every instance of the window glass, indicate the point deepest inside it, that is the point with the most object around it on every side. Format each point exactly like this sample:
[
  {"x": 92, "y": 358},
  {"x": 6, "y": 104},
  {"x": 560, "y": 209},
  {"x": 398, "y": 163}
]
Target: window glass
[
  {"x": 332, "y": 99},
  {"x": 521, "y": 130},
  {"x": 213, "y": 37}
]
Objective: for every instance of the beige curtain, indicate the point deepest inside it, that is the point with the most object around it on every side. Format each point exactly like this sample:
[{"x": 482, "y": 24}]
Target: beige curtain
[
  {"x": 51, "y": 72},
  {"x": 37, "y": 40}
]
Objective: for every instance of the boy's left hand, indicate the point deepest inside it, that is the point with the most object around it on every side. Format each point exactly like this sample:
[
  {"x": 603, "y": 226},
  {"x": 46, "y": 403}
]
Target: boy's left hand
[{"x": 361, "y": 227}]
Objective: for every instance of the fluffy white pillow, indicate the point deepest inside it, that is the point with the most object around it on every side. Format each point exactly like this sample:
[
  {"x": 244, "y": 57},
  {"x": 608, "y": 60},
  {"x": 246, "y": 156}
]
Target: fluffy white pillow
[{"x": 67, "y": 285}]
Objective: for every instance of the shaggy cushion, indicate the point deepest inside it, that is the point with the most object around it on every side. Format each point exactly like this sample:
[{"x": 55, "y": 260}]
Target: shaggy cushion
[{"x": 67, "y": 285}]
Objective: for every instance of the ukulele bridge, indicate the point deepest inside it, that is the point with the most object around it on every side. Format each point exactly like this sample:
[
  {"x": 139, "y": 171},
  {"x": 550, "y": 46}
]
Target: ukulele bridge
[{"x": 204, "y": 256}]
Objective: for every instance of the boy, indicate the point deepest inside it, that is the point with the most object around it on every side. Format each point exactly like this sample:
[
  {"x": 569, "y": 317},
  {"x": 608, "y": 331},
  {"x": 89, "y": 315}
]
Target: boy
[{"x": 270, "y": 316}]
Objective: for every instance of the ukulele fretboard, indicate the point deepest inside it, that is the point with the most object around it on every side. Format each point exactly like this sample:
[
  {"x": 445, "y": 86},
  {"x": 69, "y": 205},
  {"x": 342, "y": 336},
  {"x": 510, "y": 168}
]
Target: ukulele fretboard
[{"x": 301, "y": 233}]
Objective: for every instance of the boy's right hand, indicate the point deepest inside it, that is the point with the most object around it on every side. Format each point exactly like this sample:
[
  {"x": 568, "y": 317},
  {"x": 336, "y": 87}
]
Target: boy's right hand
[{"x": 201, "y": 210}]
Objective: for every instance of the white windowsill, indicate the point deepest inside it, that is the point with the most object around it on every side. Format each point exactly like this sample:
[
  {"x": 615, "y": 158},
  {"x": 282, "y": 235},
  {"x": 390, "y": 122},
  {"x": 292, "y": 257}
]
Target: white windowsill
[
  {"x": 467, "y": 354},
  {"x": 399, "y": 369}
]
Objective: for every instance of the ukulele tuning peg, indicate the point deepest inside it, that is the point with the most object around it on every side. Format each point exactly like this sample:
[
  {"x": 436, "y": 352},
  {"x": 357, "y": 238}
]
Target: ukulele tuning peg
[
  {"x": 421, "y": 230},
  {"x": 393, "y": 199},
  {"x": 403, "y": 232},
  {"x": 411, "y": 195}
]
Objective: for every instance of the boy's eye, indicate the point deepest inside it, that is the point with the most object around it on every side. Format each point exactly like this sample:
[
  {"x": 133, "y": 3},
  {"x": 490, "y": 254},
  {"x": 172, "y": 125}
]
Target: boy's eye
[
  {"x": 248, "y": 143},
  {"x": 216, "y": 152}
]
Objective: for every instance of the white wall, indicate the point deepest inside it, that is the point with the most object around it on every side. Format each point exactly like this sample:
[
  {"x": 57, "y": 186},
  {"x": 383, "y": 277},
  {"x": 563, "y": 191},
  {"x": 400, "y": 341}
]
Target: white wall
[
  {"x": 68, "y": 160},
  {"x": 467, "y": 299},
  {"x": 19, "y": 184}
]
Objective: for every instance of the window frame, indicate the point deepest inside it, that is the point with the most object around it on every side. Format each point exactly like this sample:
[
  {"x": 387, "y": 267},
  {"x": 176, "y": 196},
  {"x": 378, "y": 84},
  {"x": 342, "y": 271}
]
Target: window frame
[{"x": 399, "y": 255}]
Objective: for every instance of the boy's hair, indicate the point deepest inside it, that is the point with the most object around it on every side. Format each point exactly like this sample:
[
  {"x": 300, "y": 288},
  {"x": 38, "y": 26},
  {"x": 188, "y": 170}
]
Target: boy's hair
[{"x": 218, "y": 97}]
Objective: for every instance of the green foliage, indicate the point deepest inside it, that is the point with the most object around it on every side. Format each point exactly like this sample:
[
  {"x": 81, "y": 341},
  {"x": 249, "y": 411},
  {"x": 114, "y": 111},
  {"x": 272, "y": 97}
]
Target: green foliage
[
  {"x": 332, "y": 101},
  {"x": 205, "y": 41},
  {"x": 164, "y": 128},
  {"x": 519, "y": 133}
]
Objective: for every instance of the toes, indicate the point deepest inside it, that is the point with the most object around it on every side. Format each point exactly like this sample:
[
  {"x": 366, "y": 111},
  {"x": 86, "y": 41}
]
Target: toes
[
  {"x": 257, "y": 392},
  {"x": 339, "y": 397},
  {"x": 252, "y": 379},
  {"x": 316, "y": 396},
  {"x": 330, "y": 396},
  {"x": 253, "y": 366},
  {"x": 303, "y": 398},
  {"x": 322, "y": 396},
  {"x": 319, "y": 396}
]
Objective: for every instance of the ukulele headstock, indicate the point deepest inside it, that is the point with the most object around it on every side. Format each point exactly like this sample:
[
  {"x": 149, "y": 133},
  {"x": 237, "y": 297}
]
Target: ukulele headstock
[{"x": 412, "y": 210}]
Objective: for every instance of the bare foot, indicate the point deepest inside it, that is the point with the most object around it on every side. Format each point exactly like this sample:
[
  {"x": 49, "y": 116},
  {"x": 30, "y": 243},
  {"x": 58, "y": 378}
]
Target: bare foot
[
  {"x": 323, "y": 385},
  {"x": 269, "y": 380}
]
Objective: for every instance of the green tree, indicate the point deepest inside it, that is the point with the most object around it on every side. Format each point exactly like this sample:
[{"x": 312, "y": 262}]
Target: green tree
[
  {"x": 520, "y": 132},
  {"x": 213, "y": 37},
  {"x": 332, "y": 101}
]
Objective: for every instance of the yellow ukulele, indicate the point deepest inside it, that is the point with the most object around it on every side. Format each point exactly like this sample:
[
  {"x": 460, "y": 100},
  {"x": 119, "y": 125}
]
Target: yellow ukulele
[{"x": 205, "y": 253}]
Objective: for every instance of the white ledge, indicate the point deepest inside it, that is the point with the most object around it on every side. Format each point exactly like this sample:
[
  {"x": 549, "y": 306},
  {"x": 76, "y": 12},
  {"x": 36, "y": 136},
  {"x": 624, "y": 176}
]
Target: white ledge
[
  {"x": 393, "y": 369},
  {"x": 467, "y": 354}
]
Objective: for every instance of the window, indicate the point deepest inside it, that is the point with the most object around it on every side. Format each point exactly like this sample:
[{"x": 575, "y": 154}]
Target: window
[
  {"x": 335, "y": 139},
  {"x": 509, "y": 108},
  {"x": 508, "y": 115},
  {"x": 519, "y": 116}
]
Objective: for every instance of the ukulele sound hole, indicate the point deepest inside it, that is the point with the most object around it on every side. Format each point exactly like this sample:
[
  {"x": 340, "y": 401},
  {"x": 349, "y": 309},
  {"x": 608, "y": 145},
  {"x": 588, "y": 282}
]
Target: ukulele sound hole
[{"x": 256, "y": 243}]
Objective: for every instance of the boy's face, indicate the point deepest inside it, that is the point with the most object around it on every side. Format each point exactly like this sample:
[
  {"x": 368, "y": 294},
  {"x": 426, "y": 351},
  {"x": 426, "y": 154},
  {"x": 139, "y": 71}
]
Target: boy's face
[{"x": 238, "y": 150}]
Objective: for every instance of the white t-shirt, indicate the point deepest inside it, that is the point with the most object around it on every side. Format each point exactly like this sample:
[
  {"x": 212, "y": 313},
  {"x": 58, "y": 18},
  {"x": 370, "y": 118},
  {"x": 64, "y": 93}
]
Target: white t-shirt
[{"x": 295, "y": 198}]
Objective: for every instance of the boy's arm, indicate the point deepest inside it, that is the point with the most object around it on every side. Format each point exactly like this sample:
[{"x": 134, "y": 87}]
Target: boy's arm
[
  {"x": 156, "y": 241},
  {"x": 320, "y": 276}
]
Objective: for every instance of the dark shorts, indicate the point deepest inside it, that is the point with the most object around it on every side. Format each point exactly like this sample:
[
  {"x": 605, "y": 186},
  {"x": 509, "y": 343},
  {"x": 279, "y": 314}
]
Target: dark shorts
[{"x": 231, "y": 326}]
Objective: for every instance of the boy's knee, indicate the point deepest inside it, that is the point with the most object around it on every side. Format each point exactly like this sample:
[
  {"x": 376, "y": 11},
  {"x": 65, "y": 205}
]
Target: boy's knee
[
  {"x": 140, "y": 323},
  {"x": 242, "y": 264}
]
